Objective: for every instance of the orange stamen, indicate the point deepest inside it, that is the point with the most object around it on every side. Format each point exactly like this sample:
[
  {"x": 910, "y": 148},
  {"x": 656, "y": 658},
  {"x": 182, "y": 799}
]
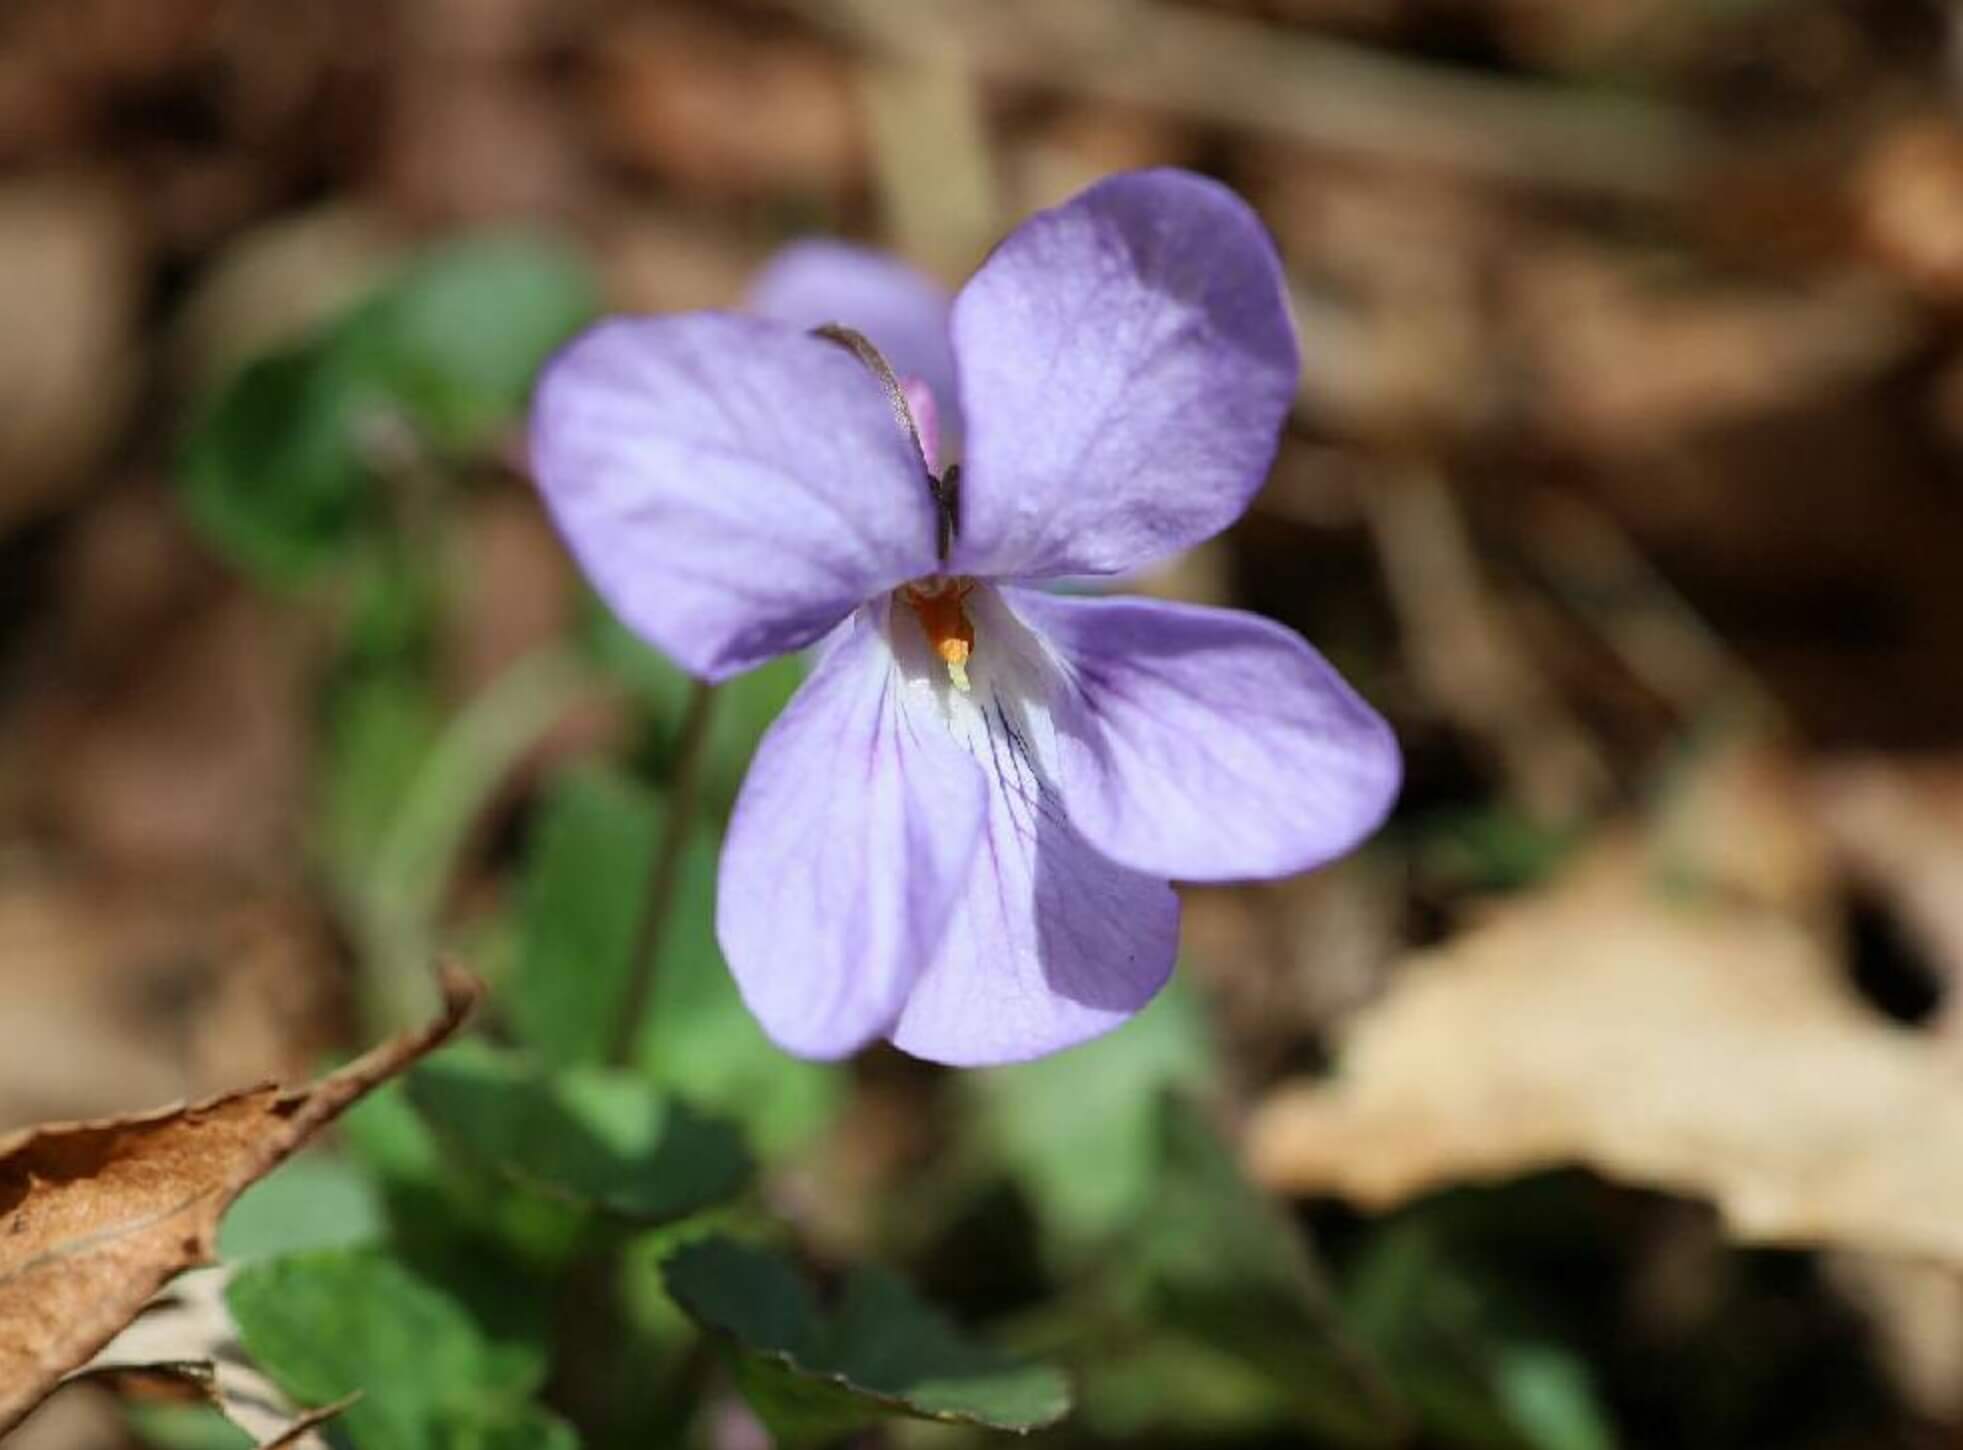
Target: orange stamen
[{"x": 937, "y": 605}]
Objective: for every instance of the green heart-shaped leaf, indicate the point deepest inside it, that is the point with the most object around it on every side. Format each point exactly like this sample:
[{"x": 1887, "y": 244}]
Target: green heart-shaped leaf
[
  {"x": 881, "y": 1353},
  {"x": 604, "y": 1139}
]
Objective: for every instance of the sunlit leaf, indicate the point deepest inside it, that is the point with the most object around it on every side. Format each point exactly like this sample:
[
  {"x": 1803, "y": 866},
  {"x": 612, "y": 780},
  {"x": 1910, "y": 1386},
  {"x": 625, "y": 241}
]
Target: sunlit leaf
[
  {"x": 336, "y": 1322},
  {"x": 379, "y": 729},
  {"x": 608, "y": 1140},
  {"x": 294, "y": 458},
  {"x": 313, "y": 1202},
  {"x": 583, "y": 897},
  {"x": 1548, "y": 1394},
  {"x": 458, "y": 338}
]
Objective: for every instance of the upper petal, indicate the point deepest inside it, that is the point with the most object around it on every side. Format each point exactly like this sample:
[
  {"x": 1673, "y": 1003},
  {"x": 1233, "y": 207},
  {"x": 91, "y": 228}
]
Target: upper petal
[
  {"x": 1050, "y": 942},
  {"x": 854, "y": 829},
  {"x": 1126, "y": 365},
  {"x": 732, "y": 487},
  {"x": 1207, "y": 744},
  {"x": 904, "y": 312}
]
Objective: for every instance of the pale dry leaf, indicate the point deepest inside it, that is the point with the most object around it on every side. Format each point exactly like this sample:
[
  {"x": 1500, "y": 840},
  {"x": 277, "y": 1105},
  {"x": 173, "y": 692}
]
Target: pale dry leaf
[
  {"x": 96, "y": 1217},
  {"x": 1693, "y": 1041},
  {"x": 1742, "y": 820},
  {"x": 300, "y": 1435},
  {"x": 1897, "y": 826},
  {"x": 186, "y": 1335}
]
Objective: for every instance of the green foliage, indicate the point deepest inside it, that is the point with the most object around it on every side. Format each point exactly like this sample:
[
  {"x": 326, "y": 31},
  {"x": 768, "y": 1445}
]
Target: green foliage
[
  {"x": 1200, "y": 1308},
  {"x": 583, "y": 894},
  {"x": 379, "y": 729},
  {"x": 186, "y": 1427},
  {"x": 814, "y": 1378},
  {"x": 700, "y": 1040},
  {"x": 273, "y": 470},
  {"x": 510, "y": 1213},
  {"x": 1463, "y": 1346},
  {"x": 1080, "y": 1130},
  {"x": 332, "y": 1322},
  {"x": 744, "y": 708},
  {"x": 285, "y": 467},
  {"x": 1219, "y": 1262},
  {"x": 1493, "y": 848},
  {"x": 313, "y": 1202},
  {"x": 582, "y": 898},
  {"x": 1551, "y": 1399},
  {"x": 456, "y": 340},
  {"x": 493, "y": 1246},
  {"x": 598, "y": 1139}
]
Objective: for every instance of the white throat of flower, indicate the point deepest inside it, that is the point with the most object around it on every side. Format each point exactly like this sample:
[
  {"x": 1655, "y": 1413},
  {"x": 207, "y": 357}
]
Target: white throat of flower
[{"x": 963, "y": 656}]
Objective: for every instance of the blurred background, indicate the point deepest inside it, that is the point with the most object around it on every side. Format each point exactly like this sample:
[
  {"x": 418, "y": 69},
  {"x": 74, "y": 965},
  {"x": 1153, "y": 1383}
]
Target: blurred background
[{"x": 1613, "y": 1097}]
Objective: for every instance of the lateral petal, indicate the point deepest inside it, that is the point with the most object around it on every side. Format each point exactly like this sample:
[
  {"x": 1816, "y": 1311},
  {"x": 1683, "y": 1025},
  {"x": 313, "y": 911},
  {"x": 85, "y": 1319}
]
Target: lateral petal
[
  {"x": 732, "y": 487},
  {"x": 1208, "y": 744}
]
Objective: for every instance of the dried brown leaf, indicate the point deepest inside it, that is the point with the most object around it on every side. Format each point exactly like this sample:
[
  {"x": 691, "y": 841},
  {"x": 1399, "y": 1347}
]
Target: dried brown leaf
[
  {"x": 1692, "y": 1040},
  {"x": 300, "y": 1433},
  {"x": 95, "y": 1217}
]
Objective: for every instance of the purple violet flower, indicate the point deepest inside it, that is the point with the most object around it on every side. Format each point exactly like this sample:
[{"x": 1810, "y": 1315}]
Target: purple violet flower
[{"x": 960, "y": 834}]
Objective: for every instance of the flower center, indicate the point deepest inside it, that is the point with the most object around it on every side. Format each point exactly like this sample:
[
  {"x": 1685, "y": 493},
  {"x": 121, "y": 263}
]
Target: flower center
[{"x": 937, "y": 603}]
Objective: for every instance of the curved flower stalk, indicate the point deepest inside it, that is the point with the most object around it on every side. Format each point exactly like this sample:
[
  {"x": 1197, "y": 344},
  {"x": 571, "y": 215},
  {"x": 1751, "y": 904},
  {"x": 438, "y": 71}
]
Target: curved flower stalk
[{"x": 961, "y": 832}]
